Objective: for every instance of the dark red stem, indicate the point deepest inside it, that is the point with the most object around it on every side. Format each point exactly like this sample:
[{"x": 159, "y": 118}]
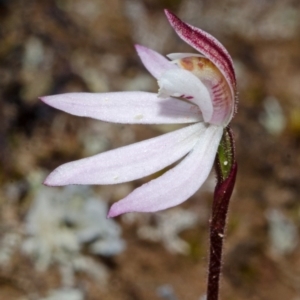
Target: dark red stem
[
  {"x": 226, "y": 168},
  {"x": 220, "y": 206}
]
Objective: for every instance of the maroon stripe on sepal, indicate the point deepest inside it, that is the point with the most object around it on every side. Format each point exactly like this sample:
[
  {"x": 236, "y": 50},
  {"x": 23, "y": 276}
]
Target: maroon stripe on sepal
[{"x": 207, "y": 45}]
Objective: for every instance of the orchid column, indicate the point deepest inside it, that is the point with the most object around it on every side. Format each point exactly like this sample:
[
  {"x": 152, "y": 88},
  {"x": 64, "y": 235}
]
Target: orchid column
[
  {"x": 217, "y": 73},
  {"x": 194, "y": 88}
]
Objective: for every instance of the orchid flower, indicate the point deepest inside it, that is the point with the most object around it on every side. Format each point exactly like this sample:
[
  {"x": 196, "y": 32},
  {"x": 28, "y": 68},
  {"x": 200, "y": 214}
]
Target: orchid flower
[{"x": 197, "y": 88}]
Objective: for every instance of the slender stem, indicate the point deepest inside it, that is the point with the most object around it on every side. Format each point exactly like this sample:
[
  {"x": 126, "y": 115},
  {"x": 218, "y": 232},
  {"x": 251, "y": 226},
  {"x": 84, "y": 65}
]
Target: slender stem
[
  {"x": 226, "y": 174},
  {"x": 217, "y": 229}
]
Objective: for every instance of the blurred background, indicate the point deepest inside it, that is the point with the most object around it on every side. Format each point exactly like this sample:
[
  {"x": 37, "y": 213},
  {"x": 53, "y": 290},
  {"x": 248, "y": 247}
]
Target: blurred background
[{"x": 56, "y": 243}]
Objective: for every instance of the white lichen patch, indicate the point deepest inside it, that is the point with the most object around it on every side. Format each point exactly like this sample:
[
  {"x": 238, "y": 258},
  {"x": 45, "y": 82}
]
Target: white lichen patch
[
  {"x": 283, "y": 233},
  {"x": 61, "y": 222},
  {"x": 8, "y": 246},
  {"x": 272, "y": 118},
  {"x": 166, "y": 228},
  {"x": 64, "y": 294}
]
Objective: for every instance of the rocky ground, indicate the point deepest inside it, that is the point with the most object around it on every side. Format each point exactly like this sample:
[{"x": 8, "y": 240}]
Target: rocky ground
[{"x": 56, "y": 244}]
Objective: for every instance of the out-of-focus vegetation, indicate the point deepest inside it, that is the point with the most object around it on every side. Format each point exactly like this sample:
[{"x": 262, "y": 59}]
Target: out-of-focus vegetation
[{"x": 51, "y": 47}]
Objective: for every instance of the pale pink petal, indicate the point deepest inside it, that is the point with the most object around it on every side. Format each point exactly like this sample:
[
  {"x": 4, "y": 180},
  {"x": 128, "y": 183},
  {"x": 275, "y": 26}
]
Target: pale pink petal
[
  {"x": 126, "y": 107},
  {"x": 129, "y": 162},
  {"x": 178, "y": 184},
  {"x": 207, "y": 45},
  {"x": 182, "y": 83},
  {"x": 154, "y": 62}
]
